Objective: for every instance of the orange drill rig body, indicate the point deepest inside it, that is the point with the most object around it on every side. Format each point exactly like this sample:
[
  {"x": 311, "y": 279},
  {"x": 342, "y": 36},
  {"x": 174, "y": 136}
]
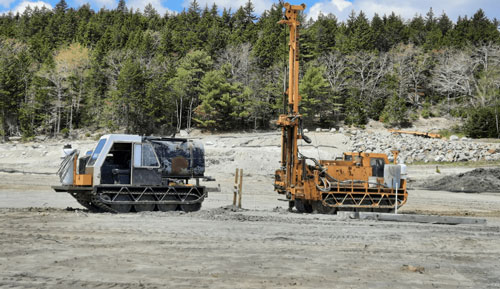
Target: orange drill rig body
[{"x": 358, "y": 181}]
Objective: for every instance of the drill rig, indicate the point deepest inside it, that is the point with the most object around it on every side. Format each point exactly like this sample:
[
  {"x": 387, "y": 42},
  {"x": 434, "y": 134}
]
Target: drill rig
[{"x": 359, "y": 181}]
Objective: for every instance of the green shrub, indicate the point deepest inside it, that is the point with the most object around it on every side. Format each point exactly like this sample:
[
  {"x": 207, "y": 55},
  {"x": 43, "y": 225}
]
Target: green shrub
[
  {"x": 426, "y": 110},
  {"x": 355, "y": 113},
  {"x": 64, "y": 132},
  {"x": 481, "y": 122},
  {"x": 395, "y": 112}
]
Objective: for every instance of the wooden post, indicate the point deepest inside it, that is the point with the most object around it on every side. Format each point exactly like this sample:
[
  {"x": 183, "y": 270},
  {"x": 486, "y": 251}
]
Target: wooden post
[
  {"x": 240, "y": 189},
  {"x": 235, "y": 189}
]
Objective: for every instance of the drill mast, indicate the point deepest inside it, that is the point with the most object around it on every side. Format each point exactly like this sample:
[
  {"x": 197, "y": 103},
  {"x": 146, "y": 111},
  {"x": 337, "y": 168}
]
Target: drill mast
[{"x": 290, "y": 122}]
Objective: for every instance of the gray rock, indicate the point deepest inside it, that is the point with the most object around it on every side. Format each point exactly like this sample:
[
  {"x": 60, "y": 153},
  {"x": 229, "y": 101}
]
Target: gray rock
[
  {"x": 318, "y": 129},
  {"x": 333, "y": 129},
  {"x": 462, "y": 157},
  {"x": 439, "y": 158},
  {"x": 453, "y": 138},
  {"x": 306, "y": 130}
]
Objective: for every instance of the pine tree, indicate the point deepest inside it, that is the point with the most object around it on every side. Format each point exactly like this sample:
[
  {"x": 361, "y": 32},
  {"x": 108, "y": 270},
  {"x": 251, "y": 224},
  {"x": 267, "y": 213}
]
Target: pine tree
[
  {"x": 122, "y": 7},
  {"x": 358, "y": 34},
  {"x": 128, "y": 98},
  {"x": 61, "y": 7},
  {"x": 220, "y": 105},
  {"x": 314, "y": 92},
  {"x": 270, "y": 46}
]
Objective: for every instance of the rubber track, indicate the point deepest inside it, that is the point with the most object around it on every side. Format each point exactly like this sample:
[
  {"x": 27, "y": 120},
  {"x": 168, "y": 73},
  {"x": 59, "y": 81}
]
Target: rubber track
[{"x": 97, "y": 202}]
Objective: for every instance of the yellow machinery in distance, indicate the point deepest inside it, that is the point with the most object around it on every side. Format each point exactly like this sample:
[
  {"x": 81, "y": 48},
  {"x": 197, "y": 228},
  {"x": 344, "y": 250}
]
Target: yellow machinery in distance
[{"x": 359, "y": 181}]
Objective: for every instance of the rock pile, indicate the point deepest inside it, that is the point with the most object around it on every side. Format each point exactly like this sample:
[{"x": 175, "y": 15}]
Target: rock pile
[{"x": 419, "y": 149}]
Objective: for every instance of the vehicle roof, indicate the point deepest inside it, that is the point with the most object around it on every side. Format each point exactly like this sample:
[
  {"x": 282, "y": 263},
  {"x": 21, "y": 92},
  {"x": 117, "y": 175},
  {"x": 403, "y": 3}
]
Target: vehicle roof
[{"x": 122, "y": 137}]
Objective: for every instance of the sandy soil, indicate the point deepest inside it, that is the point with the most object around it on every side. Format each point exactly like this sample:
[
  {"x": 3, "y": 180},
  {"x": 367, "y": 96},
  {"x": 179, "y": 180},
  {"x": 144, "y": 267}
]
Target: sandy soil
[{"x": 49, "y": 241}]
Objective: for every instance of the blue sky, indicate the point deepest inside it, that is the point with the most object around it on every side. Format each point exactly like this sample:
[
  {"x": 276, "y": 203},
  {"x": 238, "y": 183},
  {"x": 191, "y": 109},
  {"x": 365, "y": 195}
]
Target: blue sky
[{"x": 341, "y": 8}]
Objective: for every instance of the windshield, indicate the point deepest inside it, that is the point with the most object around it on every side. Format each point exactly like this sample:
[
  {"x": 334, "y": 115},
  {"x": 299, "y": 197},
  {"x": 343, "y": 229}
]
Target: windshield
[{"x": 96, "y": 153}]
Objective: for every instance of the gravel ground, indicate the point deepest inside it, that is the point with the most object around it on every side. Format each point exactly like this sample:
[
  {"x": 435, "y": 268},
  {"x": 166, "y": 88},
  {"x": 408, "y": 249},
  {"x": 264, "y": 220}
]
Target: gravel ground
[
  {"x": 259, "y": 247},
  {"x": 49, "y": 241}
]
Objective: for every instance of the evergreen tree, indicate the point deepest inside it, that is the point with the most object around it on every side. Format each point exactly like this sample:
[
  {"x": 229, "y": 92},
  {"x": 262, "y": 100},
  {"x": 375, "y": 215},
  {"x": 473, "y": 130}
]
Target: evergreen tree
[
  {"x": 128, "y": 98},
  {"x": 220, "y": 104},
  {"x": 357, "y": 35},
  {"x": 314, "y": 92},
  {"x": 185, "y": 85},
  {"x": 122, "y": 6},
  {"x": 270, "y": 47}
]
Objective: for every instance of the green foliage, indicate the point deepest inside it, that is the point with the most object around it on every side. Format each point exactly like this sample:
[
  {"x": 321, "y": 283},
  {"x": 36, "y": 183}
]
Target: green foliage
[
  {"x": 270, "y": 46},
  {"x": 355, "y": 113},
  {"x": 221, "y": 104},
  {"x": 426, "y": 110},
  {"x": 454, "y": 130},
  {"x": 483, "y": 122},
  {"x": 314, "y": 92},
  {"x": 67, "y": 68},
  {"x": 128, "y": 99},
  {"x": 395, "y": 112}
]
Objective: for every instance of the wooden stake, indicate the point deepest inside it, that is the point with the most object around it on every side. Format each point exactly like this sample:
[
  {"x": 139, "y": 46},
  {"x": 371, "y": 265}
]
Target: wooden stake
[
  {"x": 240, "y": 188},
  {"x": 235, "y": 189}
]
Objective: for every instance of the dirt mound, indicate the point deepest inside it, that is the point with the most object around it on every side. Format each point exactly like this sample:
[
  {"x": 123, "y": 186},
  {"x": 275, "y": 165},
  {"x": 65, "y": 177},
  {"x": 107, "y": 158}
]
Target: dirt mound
[{"x": 476, "y": 181}]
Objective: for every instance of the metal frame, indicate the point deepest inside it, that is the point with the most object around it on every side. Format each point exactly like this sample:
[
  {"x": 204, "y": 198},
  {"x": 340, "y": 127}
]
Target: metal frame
[{"x": 135, "y": 193}]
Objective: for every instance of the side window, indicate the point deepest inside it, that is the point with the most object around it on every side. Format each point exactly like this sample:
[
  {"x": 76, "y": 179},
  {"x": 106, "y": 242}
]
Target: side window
[
  {"x": 144, "y": 156},
  {"x": 148, "y": 156},
  {"x": 137, "y": 155},
  {"x": 377, "y": 165}
]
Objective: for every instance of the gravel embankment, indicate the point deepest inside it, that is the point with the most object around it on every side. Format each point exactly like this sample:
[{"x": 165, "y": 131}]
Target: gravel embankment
[{"x": 419, "y": 149}]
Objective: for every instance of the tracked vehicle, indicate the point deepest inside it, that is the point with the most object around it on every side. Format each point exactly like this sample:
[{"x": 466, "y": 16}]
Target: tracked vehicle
[
  {"x": 130, "y": 173},
  {"x": 358, "y": 181}
]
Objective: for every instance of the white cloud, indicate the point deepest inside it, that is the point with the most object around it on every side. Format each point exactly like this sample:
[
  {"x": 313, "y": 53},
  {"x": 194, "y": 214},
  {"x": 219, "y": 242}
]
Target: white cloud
[
  {"x": 98, "y": 4},
  {"x": 407, "y": 9},
  {"x": 23, "y": 5},
  {"x": 142, "y": 3},
  {"x": 259, "y": 5},
  {"x": 135, "y": 4},
  {"x": 332, "y": 6}
]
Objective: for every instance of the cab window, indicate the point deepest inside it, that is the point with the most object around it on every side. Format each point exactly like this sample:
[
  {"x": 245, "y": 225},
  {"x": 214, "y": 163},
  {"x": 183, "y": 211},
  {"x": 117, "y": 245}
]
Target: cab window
[
  {"x": 144, "y": 156},
  {"x": 377, "y": 165}
]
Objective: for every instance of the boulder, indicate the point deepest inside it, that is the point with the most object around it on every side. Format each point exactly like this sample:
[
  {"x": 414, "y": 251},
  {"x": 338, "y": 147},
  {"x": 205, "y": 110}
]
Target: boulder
[
  {"x": 453, "y": 138},
  {"x": 462, "y": 157}
]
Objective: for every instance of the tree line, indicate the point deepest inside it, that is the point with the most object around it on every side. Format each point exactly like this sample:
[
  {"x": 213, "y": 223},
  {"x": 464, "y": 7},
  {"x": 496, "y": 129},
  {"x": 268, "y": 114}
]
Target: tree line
[{"x": 141, "y": 72}]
